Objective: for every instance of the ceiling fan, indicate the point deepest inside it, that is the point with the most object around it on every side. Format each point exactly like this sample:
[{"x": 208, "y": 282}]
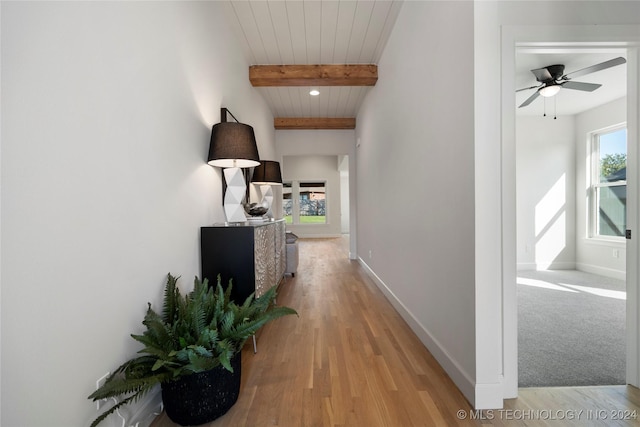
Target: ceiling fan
[{"x": 552, "y": 80}]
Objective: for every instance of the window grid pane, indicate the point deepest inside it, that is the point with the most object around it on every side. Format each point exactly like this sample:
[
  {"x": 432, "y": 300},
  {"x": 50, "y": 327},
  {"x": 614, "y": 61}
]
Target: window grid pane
[
  {"x": 312, "y": 198},
  {"x": 609, "y": 190},
  {"x": 612, "y": 210},
  {"x": 612, "y": 155}
]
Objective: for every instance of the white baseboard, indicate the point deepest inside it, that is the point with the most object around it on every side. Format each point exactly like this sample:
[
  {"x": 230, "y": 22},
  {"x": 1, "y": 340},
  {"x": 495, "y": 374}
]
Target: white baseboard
[
  {"x": 587, "y": 268},
  {"x": 602, "y": 271},
  {"x": 526, "y": 266},
  {"x": 489, "y": 396},
  {"x": 562, "y": 265},
  {"x": 461, "y": 379}
]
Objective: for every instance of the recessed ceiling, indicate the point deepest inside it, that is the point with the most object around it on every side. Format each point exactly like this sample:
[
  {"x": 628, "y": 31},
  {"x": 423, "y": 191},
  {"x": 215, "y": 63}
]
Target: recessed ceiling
[
  {"x": 276, "y": 32},
  {"x": 567, "y": 101}
]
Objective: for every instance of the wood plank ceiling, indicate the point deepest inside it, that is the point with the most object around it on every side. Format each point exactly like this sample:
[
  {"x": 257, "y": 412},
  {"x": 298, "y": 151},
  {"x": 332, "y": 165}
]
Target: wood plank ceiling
[{"x": 295, "y": 46}]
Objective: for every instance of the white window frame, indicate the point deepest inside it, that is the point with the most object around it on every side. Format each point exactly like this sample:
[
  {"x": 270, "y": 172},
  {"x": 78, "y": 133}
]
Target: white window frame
[{"x": 595, "y": 184}]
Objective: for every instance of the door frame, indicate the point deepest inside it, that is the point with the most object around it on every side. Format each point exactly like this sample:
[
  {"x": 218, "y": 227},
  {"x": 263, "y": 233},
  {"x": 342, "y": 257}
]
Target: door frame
[{"x": 601, "y": 37}]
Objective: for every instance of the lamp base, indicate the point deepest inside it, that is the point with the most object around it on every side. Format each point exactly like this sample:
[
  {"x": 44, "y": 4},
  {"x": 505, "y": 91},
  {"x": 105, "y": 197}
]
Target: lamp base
[
  {"x": 267, "y": 198},
  {"x": 236, "y": 187}
]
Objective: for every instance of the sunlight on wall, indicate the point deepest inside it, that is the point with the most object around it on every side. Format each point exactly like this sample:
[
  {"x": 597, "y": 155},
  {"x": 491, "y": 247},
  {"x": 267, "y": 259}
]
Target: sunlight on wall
[
  {"x": 550, "y": 224},
  {"x": 551, "y": 242}
]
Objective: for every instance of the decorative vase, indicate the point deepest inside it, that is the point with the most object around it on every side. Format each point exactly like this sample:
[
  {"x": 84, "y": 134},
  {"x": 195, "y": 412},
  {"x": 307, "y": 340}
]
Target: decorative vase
[{"x": 202, "y": 397}]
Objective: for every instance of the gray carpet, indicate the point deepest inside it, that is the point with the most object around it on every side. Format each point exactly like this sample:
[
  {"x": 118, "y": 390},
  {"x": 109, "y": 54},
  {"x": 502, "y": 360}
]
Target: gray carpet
[{"x": 567, "y": 336}]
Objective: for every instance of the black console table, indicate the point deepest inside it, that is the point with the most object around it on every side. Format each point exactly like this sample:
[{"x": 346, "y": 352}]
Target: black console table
[{"x": 252, "y": 254}]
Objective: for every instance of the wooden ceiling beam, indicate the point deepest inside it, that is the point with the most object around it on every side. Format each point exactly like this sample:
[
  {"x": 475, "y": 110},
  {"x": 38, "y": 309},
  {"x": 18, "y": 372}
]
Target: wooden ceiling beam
[
  {"x": 314, "y": 75},
  {"x": 314, "y": 123}
]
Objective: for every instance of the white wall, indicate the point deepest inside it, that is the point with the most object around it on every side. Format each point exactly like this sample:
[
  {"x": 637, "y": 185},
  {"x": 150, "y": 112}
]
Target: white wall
[
  {"x": 320, "y": 169},
  {"x": 546, "y": 192},
  {"x": 106, "y": 116},
  {"x": 592, "y": 255},
  {"x": 415, "y": 174},
  {"x": 323, "y": 143},
  {"x": 551, "y": 172}
]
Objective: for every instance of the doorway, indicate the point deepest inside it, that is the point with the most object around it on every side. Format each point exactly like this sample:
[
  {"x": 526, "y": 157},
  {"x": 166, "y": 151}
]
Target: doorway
[
  {"x": 598, "y": 40},
  {"x": 316, "y": 195},
  {"x": 570, "y": 272}
]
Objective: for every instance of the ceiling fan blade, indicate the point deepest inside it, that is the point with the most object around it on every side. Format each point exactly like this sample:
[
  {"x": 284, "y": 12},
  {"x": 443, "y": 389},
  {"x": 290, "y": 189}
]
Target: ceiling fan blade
[
  {"x": 527, "y": 88},
  {"x": 530, "y": 99},
  {"x": 592, "y": 69},
  {"x": 587, "y": 87},
  {"x": 542, "y": 74}
]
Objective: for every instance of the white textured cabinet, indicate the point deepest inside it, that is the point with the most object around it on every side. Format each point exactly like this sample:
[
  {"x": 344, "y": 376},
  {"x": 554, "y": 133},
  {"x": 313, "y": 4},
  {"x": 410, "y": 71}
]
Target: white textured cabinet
[
  {"x": 251, "y": 254},
  {"x": 281, "y": 254}
]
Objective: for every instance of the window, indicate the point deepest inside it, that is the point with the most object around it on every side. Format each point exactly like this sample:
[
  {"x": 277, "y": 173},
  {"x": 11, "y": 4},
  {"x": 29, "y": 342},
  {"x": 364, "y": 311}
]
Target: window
[
  {"x": 608, "y": 189},
  {"x": 304, "y": 202},
  {"x": 313, "y": 203}
]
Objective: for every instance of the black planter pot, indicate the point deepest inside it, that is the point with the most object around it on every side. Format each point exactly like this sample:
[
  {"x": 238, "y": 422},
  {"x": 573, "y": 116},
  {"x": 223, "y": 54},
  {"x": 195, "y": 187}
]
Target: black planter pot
[{"x": 202, "y": 397}]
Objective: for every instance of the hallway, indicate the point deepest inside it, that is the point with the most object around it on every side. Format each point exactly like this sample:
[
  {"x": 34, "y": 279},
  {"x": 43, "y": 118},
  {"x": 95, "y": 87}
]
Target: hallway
[{"x": 350, "y": 360}]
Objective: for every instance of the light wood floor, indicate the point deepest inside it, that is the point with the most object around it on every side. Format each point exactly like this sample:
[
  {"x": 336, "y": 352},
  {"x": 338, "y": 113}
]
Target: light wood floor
[{"x": 350, "y": 360}]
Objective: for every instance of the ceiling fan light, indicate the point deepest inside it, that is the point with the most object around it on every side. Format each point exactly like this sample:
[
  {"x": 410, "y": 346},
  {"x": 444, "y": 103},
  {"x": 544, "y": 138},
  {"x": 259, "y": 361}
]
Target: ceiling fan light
[{"x": 549, "y": 91}]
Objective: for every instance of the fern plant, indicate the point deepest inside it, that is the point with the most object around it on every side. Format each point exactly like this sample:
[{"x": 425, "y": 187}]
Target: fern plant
[{"x": 195, "y": 332}]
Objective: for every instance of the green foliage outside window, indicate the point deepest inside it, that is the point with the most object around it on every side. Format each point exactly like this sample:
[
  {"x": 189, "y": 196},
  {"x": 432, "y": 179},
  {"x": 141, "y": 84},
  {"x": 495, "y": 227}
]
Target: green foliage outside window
[{"x": 612, "y": 163}]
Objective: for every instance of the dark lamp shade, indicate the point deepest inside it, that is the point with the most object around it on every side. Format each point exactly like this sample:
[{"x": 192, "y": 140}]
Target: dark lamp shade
[
  {"x": 267, "y": 172},
  {"x": 233, "y": 145}
]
